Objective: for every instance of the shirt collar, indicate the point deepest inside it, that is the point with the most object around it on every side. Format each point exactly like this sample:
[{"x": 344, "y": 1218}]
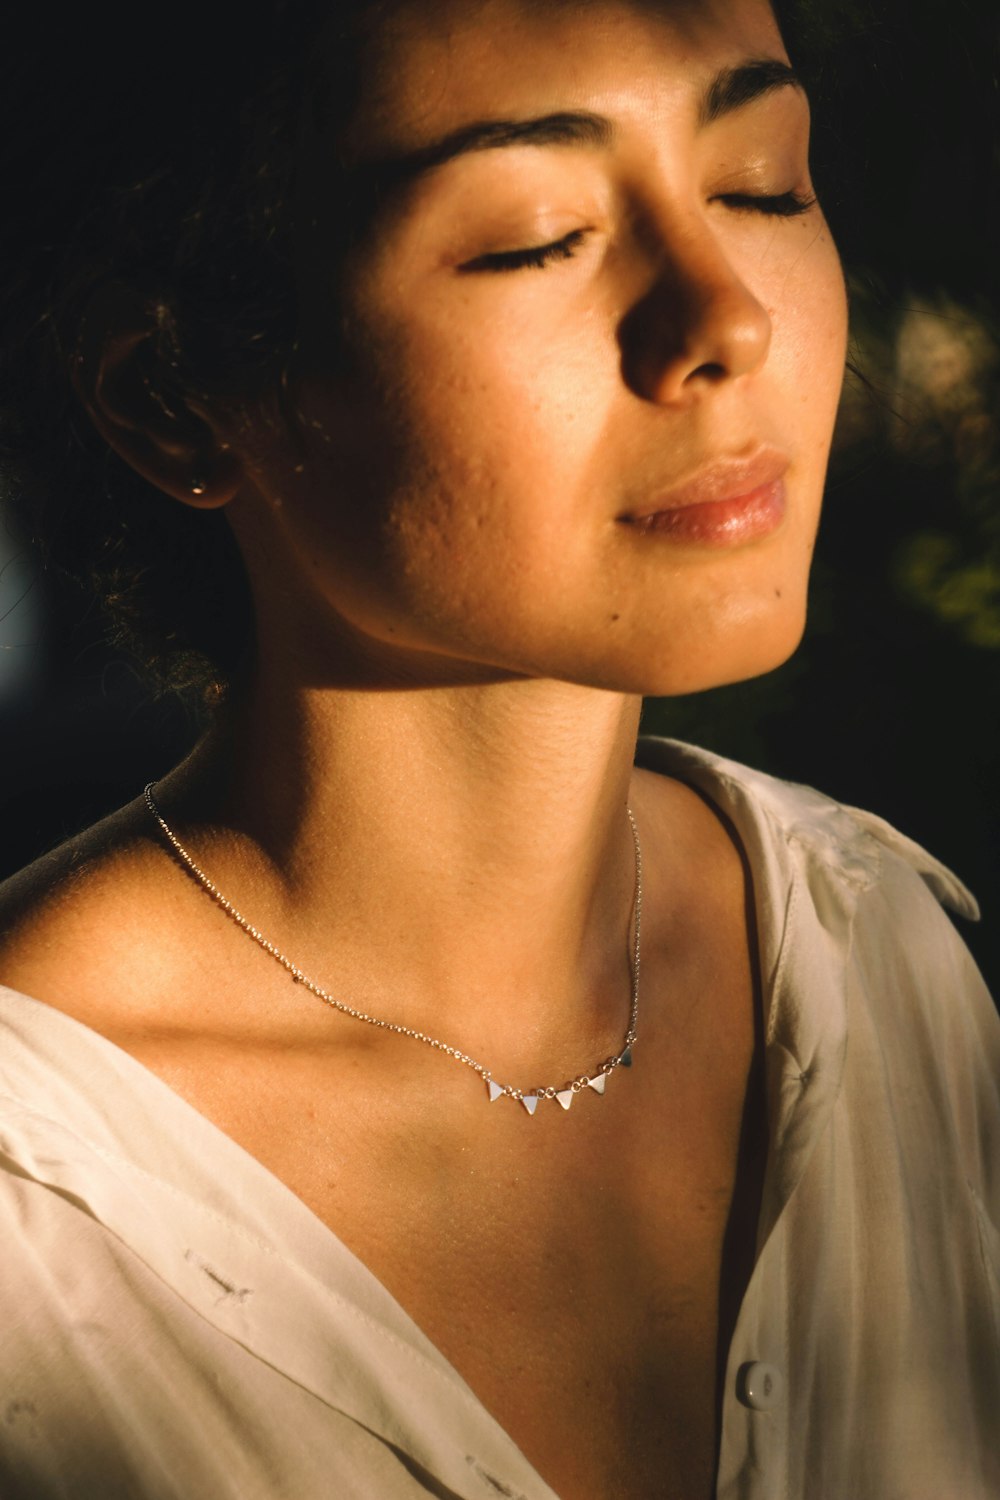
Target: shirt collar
[{"x": 811, "y": 861}]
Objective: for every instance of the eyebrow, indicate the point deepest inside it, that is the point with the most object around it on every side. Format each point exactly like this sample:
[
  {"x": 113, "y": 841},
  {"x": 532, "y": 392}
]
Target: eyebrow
[
  {"x": 578, "y": 128},
  {"x": 734, "y": 87},
  {"x": 730, "y": 90}
]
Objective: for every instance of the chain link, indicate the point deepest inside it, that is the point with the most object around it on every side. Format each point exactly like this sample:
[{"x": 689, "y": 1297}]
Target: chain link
[{"x": 549, "y": 1092}]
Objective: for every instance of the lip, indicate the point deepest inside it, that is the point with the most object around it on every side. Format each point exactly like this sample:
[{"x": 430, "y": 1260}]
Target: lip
[{"x": 730, "y": 501}]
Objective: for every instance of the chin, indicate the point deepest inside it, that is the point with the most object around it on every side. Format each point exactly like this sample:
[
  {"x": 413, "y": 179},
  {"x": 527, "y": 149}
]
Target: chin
[{"x": 718, "y": 658}]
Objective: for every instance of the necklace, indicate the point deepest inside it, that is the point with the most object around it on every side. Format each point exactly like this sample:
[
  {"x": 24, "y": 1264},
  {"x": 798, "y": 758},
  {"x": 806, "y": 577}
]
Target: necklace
[{"x": 530, "y": 1098}]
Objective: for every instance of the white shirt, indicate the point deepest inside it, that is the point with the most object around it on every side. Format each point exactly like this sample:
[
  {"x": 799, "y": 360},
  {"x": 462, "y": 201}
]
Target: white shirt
[{"x": 176, "y": 1325}]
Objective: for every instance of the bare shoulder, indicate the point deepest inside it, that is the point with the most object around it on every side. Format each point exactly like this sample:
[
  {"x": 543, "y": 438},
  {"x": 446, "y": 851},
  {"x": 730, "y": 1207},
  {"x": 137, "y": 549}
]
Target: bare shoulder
[
  {"x": 690, "y": 839},
  {"x": 700, "y": 936},
  {"x": 75, "y": 926},
  {"x": 67, "y": 876}
]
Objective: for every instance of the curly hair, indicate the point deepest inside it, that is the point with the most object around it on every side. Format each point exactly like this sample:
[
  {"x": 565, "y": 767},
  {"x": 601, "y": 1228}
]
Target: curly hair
[
  {"x": 162, "y": 157},
  {"x": 165, "y": 160}
]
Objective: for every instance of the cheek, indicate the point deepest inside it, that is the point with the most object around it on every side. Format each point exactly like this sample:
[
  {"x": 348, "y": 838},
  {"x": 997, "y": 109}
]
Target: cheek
[
  {"x": 808, "y": 301},
  {"x": 513, "y": 391},
  {"x": 490, "y": 420},
  {"x": 442, "y": 490}
]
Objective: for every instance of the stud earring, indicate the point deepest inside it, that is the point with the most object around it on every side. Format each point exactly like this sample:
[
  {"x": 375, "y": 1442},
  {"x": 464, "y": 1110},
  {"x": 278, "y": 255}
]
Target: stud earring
[{"x": 199, "y": 486}]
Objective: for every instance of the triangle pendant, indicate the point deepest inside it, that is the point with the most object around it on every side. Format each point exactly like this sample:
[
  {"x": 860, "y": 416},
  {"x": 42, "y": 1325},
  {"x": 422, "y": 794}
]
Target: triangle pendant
[
  {"x": 565, "y": 1097},
  {"x": 598, "y": 1083},
  {"x": 530, "y": 1102},
  {"x": 495, "y": 1090}
]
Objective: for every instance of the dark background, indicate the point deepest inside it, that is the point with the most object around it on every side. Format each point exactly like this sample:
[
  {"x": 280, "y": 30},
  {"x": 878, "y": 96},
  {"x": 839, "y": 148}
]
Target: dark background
[{"x": 893, "y": 701}]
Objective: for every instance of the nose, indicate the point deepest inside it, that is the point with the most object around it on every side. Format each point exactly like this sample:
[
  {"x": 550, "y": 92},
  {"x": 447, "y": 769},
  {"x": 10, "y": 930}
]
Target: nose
[{"x": 695, "y": 327}]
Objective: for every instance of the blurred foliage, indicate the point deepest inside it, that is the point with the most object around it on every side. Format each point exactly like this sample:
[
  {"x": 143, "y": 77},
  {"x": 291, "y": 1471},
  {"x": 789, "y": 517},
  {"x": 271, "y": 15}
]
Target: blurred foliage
[{"x": 937, "y": 365}]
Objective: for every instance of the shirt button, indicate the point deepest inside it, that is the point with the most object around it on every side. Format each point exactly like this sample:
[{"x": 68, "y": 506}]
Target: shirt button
[{"x": 760, "y": 1385}]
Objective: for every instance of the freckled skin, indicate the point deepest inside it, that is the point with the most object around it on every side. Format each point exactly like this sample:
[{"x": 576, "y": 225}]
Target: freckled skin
[{"x": 460, "y": 487}]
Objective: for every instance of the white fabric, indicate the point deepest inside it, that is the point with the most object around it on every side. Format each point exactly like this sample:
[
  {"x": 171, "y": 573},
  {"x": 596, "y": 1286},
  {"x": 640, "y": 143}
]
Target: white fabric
[{"x": 176, "y": 1325}]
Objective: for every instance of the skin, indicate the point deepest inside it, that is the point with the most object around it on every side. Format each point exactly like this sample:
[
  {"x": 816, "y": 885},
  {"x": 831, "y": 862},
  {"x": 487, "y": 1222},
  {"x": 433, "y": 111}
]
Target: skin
[
  {"x": 432, "y": 761},
  {"x": 682, "y": 329}
]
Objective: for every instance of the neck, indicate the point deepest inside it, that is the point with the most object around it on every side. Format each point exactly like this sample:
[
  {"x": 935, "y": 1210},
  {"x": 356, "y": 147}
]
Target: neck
[{"x": 459, "y": 858}]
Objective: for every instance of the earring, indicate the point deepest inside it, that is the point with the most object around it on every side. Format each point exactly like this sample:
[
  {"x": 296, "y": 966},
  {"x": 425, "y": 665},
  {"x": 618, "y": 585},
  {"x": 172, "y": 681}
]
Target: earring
[{"x": 199, "y": 486}]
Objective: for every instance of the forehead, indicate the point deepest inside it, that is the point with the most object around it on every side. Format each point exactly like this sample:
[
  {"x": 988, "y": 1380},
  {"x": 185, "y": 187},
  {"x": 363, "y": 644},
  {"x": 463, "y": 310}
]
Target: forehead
[{"x": 428, "y": 65}]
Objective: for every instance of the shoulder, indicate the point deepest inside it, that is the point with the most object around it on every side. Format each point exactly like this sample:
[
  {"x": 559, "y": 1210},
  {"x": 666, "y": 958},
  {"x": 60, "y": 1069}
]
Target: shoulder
[
  {"x": 827, "y": 838},
  {"x": 82, "y": 923},
  {"x": 841, "y": 887},
  {"x": 860, "y": 957},
  {"x": 65, "y": 873},
  {"x": 857, "y": 909}
]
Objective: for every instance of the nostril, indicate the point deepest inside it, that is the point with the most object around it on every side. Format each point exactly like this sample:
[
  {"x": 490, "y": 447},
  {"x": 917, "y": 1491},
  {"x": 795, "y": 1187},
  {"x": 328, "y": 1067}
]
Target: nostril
[
  {"x": 708, "y": 372},
  {"x": 696, "y": 326}
]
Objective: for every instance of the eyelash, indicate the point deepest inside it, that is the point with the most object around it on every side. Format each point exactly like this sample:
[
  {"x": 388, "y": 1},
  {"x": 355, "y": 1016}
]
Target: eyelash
[
  {"x": 778, "y": 205},
  {"x": 537, "y": 255}
]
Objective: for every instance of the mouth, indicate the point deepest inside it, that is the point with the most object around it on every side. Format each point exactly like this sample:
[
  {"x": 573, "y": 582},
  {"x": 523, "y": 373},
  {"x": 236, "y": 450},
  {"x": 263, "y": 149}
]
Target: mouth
[{"x": 730, "y": 501}]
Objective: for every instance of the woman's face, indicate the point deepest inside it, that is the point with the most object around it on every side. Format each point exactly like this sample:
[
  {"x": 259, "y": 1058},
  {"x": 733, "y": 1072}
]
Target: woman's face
[{"x": 594, "y": 344}]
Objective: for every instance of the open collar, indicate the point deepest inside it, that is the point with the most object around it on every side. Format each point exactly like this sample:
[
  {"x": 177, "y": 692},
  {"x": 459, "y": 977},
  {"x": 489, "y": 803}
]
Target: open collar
[{"x": 812, "y": 859}]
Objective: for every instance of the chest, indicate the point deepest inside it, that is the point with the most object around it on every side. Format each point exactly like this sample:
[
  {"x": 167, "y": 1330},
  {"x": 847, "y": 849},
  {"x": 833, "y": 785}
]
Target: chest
[
  {"x": 580, "y": 1270},
  {"x": 567, "y": 1265},
  {"x": 585, "y": 1317}
]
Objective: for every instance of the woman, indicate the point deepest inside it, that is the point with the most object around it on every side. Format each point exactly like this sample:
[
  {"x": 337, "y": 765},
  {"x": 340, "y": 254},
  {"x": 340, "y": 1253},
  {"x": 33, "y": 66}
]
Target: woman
[{"x": 603, "y": 1130}]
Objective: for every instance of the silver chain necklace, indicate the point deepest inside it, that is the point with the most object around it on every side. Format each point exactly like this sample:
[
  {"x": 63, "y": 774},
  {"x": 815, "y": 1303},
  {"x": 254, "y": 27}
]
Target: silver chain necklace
[{"x": 530, "y": 1098}]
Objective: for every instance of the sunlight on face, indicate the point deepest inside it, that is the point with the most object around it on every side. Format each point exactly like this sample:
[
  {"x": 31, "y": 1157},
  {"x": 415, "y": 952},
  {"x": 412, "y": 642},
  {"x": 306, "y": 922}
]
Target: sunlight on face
[{"x": 596, "y": 336}]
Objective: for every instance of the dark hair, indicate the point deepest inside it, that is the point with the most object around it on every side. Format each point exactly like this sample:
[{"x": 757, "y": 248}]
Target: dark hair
[{"x": 164, "y": 157}]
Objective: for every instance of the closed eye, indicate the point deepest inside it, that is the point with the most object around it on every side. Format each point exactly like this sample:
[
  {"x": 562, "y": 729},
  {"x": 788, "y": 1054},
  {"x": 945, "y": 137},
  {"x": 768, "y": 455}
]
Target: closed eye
[
  {"x": 773, "y": 205},
  {"x": 535, "y": 255},
  {"x": 776, "y": 205}
]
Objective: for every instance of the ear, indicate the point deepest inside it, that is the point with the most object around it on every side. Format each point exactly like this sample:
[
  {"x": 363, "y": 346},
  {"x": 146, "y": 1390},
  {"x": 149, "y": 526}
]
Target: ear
[{"x": 159, "y": 433}]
